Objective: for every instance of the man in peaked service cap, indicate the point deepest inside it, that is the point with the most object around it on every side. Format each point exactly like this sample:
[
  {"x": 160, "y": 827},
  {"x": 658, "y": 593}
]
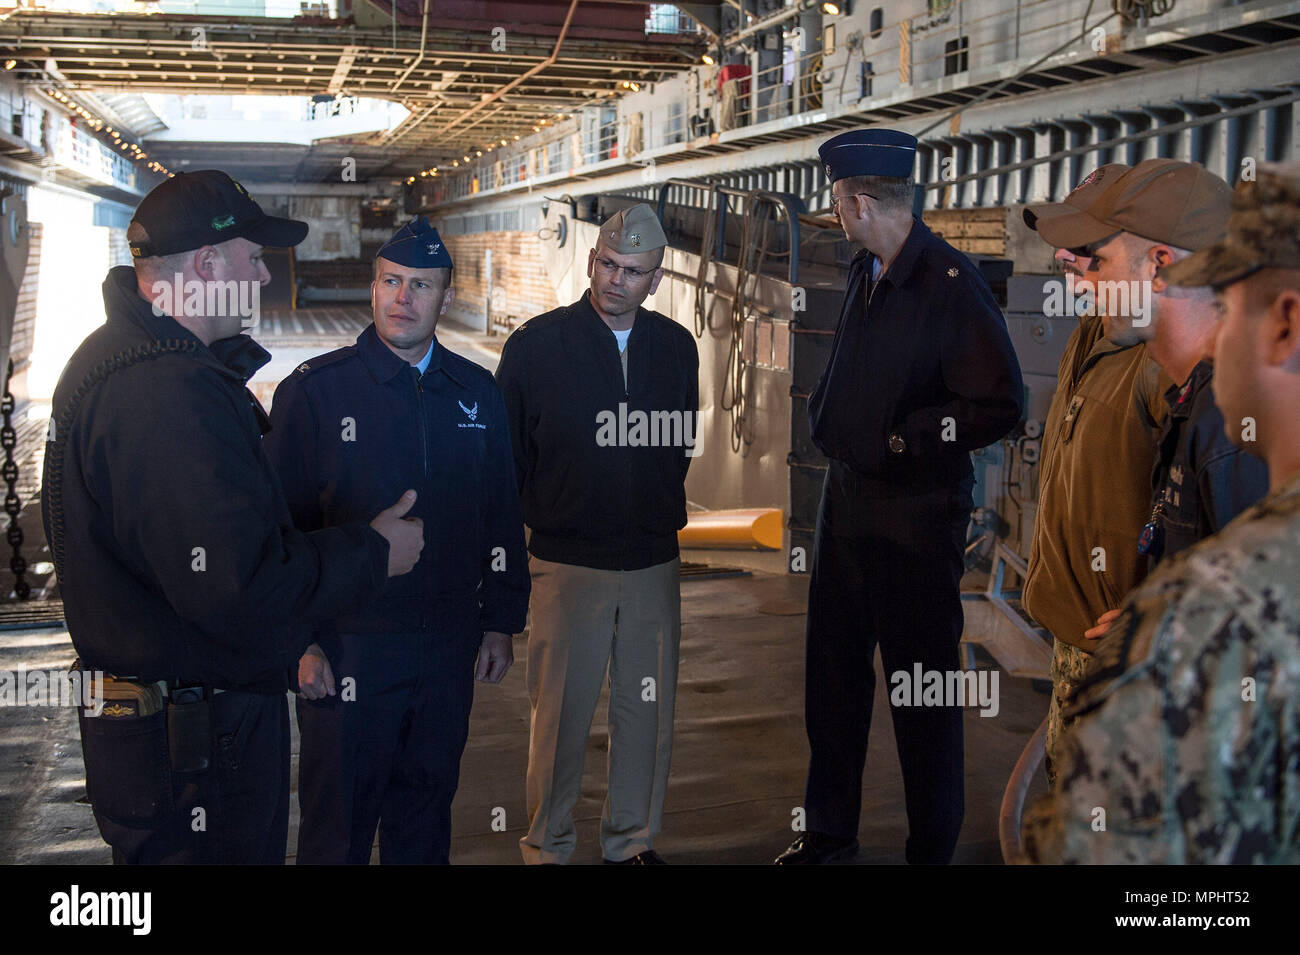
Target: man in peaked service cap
[
  {"x": 386, "y": 691},
  {"x": 921, "y": 373},
  {"x": 1186, "y": 731},
  {"x": 185, "y": 583},
  {"x": 604, "y": 501}
]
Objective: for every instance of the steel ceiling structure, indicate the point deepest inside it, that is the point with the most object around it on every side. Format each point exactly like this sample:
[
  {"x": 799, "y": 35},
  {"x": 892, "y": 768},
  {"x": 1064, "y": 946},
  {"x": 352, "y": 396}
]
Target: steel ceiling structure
[{"x": 503, "y": 69}]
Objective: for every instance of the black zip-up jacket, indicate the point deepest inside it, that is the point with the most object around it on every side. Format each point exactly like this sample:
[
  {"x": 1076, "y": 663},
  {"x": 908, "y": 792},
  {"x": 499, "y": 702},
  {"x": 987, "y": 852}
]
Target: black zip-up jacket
[
  {"x": 353, "y": 429},
  {"x": 923, "y": 352},
  {"x": 176, "y": 554},
  {"x": 593, "y": 493},
  {"x": 1202, "y": 478}
]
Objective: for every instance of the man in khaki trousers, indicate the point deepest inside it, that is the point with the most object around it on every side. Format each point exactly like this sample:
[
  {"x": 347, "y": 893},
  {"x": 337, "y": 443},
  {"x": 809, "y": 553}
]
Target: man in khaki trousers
[{"x": 602, "y": 397}]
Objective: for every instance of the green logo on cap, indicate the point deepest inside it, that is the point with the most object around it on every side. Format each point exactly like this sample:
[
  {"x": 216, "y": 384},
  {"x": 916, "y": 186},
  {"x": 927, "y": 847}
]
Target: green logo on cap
[{"x": 222, "y": 222}]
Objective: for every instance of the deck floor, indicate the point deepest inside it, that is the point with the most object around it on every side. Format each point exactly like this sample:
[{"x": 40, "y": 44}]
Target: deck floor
[{"x": 738, "y": 761}]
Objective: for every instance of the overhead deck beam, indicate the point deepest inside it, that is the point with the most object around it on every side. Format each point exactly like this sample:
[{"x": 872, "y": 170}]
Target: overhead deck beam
[{"x": 459, "y": 70}]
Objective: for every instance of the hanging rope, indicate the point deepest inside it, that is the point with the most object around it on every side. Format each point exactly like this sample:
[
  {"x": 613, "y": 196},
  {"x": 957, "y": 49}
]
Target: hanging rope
[
  {"x": 707, "y": 245},
  {"x": 749, "y": 267}
]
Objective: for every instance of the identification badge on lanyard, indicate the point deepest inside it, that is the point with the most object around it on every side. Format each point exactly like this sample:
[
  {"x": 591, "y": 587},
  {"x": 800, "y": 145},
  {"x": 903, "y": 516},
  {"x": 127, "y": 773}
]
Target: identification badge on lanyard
[{"x": 1153, "y": 532}]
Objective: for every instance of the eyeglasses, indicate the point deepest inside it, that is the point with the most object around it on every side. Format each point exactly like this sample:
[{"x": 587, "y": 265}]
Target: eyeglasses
[
  {"x": 835, "y": 200},
  {"x": 611, "y": 269}
]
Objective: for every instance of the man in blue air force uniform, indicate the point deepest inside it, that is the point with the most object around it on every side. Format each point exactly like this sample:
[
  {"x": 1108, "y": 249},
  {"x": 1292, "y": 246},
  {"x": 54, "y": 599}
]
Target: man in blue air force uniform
[
  {"x": 386, "y": 692},
  {"x": 921, "y": 373}
]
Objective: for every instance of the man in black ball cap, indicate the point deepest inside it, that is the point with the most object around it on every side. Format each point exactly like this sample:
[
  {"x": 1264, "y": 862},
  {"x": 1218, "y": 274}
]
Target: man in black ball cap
[
  {"x": 188, "y": 592},
  {"x": 921, "y": 373},
  {"x": 386, "y": 691}
]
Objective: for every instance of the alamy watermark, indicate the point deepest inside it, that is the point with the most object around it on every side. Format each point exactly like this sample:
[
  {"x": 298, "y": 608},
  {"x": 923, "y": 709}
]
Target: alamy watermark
[
  {"x": 945, "y": 688},
  {"x": 647, "y": 429},
  {"x": 199, "y": 299},
  {"x": 130, "y": 909},
  {"x": 1119, "y": 299},
  {"x": 23, "y": 687}
]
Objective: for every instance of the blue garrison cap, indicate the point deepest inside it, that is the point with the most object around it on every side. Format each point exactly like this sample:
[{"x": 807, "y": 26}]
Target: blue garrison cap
[
  {"x": 869, "y": 152},
  {"x": 416, "y": 245}
]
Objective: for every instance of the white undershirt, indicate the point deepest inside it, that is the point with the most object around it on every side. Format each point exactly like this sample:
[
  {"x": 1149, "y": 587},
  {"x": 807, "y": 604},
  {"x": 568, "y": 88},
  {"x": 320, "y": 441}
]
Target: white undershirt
[{"x": 622, "y": 338}]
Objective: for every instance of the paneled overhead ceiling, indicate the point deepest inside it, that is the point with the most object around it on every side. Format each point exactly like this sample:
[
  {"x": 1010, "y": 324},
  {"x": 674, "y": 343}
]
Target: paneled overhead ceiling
[{"x": 470, "y": 71}]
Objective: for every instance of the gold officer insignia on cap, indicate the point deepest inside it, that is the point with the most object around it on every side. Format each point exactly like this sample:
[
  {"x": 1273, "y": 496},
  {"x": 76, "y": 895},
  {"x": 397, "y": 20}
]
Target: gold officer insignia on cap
[
  {"x": 952, "y": 272},
  {"x": 635, "y": 238}
]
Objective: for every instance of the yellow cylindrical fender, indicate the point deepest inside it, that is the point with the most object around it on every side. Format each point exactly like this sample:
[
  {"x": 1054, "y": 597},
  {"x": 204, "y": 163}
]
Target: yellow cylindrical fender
[{"x": 746, "y": 528}]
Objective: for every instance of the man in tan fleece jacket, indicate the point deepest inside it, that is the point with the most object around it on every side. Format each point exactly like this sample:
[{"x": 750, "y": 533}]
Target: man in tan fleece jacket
[{"x": 1099, "y": 441}]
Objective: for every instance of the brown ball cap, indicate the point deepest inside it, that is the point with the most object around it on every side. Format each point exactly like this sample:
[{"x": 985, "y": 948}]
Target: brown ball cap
[{"x": 1179, "y": 203}]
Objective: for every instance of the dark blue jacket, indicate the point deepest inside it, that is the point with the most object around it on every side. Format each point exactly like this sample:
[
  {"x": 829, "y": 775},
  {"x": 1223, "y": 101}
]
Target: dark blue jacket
[
  {"x": 926, "y": 343},
  {"x": 176, "y": 554},
  {"x": 353, "y": 429},
  {"x": 1201, "y": 480}
]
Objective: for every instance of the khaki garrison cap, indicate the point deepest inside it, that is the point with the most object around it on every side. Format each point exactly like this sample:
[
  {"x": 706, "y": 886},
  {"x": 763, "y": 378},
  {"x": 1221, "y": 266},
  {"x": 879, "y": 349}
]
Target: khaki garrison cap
[
  {"x": 1263, "y": 232},
  {"x": 633, "y": 230}
]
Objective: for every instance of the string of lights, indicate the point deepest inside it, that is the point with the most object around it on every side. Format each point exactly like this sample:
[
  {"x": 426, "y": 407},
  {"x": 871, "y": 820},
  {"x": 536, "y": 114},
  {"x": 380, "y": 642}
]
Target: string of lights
[
  {"x": 98, "y": 125},
  {"x": 433, "y": 171}
]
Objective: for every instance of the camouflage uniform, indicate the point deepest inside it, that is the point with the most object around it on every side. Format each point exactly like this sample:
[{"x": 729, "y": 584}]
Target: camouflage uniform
[
  {"x": 1068, "y": 666},
  {"x": 1187, "y": 770}
]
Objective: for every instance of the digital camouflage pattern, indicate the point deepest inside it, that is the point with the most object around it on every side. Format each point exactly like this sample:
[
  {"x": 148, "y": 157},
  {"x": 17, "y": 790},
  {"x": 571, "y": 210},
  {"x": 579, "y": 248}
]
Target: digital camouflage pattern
[
  {"x": 1186, "y": 729},
  {"x": 1263, "y": 231},
  {"x": 1069, "y": 664}
]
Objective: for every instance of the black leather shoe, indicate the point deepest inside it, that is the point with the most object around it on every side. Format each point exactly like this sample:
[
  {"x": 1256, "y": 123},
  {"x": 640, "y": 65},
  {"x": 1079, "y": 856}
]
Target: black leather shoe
[
  {"x": 649, "y": 857},
  {"x": 816, "y": 848}
]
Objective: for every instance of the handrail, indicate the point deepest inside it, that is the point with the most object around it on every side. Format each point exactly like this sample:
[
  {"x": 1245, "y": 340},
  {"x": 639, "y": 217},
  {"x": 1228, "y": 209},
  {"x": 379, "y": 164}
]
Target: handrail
[
  {"x": 791, "y": 204},
  {"x": 1013, "y": 798}
]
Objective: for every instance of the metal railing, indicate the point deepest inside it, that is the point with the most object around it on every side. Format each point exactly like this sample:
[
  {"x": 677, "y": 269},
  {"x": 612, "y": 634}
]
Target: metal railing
[
  {"x": 790, "y": 205},
  {"x": 900, "y": 53},
  {"x": 905, "y": 52},
  {"x": 85, "y": 154},
  {"x": 666, "y": 18},
  {"x": 328, "y": 108},
  {"x": 790, "y": 87},
  {"x": 1131, "y": 147},
  {"x": 1012, "y": 808}
]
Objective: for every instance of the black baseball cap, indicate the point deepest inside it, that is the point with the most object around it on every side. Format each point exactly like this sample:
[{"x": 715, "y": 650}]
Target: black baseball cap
[{"x": 205, "y": 207}]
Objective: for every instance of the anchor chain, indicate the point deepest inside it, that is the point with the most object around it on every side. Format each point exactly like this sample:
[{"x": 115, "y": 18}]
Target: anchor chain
[{"x": 13, "y": 506}]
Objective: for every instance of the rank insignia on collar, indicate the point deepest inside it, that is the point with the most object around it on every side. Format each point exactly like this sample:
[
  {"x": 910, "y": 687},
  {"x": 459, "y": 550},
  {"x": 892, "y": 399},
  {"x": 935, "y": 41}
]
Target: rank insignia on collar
[
  {"x": 952, "y": 272},
  {"x": 304, "y": 366}
]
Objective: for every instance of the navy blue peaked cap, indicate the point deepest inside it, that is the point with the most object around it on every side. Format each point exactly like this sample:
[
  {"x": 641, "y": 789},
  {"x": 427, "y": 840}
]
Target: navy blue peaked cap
[
  {"x": 416, "y": 245},
  {"x": 869, "y": 152}
]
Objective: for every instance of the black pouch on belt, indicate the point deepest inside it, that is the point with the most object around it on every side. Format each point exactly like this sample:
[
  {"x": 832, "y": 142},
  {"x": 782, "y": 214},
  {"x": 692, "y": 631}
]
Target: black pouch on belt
[
  {"x": 124, "y": 744},
  {"x": 189, "y": 728}
]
